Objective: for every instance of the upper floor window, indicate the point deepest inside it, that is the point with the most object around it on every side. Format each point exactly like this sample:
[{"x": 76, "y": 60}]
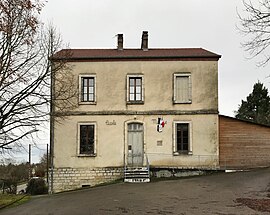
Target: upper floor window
[
  {"x": 87, "y": 88},
  {"x": 135, "y": 88},
  {"x": 182, "y": 88}
]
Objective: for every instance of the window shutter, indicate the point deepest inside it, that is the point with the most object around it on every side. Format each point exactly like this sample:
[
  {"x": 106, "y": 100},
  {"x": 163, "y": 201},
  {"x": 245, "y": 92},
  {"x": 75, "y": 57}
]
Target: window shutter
[
  {"x": 183, "y": 89},
  {"x": 189, "y": 89}
]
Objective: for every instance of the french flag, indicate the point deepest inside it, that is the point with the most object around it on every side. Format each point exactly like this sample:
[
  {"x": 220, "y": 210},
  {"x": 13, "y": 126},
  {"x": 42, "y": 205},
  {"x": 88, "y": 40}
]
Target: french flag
[{"x": 160, "y": 124}]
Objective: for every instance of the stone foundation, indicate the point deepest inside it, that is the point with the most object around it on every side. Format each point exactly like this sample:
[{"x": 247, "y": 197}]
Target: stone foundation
[
  {"x": 176, "y": 172},
  {"x": 73, "y": 178}
]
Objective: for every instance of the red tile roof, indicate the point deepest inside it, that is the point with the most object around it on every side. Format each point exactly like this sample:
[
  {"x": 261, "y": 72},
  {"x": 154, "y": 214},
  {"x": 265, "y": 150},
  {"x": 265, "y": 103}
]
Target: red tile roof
[{"x": 135, "y": 54}]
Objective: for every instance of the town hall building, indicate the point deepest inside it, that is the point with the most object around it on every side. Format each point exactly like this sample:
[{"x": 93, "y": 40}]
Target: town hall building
[{"x": 137, "y": 110}]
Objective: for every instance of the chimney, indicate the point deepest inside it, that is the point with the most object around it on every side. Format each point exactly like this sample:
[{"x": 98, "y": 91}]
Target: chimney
[
  {"x": 144, "y": 45},
  {"x": 120, "y": 41}
]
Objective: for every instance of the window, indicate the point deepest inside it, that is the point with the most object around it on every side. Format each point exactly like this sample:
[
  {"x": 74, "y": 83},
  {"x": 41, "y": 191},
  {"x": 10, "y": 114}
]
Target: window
[
  {"x": 87, "y": 89},
  {"x": 182, "y": 138},
  {"x": 182, "y": 88},
  {"x": 87, "y": 139},
  {"x": 135, "y": 89}
]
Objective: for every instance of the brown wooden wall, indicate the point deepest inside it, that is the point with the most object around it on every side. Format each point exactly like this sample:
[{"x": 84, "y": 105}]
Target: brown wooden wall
[{"x": 243, "y": 145}]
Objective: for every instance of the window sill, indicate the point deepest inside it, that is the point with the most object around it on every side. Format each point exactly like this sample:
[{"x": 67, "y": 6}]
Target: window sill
[
  {"x": 135, "y": 102},
  {"x": 178, "y": 102},
  {"x": 87, "y": 103},
  {"x": 87, "y": 155},
  {"x": 182, "y": 153}
]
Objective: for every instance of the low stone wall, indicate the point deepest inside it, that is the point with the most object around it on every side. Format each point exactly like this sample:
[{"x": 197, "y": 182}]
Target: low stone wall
[
  {"x": 176, "y": 173},
  {"x": 73, "y": 178}
]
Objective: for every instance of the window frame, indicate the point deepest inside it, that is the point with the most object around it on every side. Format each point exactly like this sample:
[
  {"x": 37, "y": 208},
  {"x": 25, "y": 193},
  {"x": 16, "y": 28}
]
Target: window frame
[
  {"x": 81, "y": 76},
  {"x": 190, "y": 133},
  {"x": 135, "y": 76},
  {"x": 79, "y": 139},
  {"x": 175, "y": 75}
]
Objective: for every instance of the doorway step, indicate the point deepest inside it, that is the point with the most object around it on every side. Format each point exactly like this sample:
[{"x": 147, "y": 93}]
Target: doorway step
[{"x": 136, "y": 174}]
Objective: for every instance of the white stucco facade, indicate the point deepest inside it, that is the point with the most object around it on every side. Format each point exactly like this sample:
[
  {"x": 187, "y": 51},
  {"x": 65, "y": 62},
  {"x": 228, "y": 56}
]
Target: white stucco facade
[{"x": 111, "y": 113}]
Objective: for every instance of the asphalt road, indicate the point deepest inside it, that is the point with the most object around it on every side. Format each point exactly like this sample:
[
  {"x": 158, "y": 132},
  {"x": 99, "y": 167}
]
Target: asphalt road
[{"x": 212, "y": 194}]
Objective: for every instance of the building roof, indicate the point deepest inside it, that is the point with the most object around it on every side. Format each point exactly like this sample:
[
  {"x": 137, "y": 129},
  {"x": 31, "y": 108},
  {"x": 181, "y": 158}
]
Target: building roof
[
  {"x": 135, "y": 54},
  {"x": 245, "y": 121}
]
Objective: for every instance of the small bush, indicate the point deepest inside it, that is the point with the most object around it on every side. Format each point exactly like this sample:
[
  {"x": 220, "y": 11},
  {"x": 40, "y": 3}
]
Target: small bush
[
  {"x": 8, "y": 186},
  {"x": 36, "y": 186}
]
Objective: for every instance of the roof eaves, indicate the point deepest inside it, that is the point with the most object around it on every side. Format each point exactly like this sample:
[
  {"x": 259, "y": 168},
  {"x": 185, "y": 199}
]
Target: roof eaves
[
  {"x": 133, "y": 57},
  {"x": 242, "y": 120}
]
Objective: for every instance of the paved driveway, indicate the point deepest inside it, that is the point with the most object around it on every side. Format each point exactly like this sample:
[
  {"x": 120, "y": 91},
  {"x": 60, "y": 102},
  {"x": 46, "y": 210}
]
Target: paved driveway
[{"x": 212, "y": 194}]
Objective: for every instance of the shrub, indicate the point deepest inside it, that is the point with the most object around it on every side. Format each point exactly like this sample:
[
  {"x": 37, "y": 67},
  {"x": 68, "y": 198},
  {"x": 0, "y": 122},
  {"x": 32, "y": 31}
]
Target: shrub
[
  {"x": 8, "y": 186},
  {"x": 36, "y": 186}
]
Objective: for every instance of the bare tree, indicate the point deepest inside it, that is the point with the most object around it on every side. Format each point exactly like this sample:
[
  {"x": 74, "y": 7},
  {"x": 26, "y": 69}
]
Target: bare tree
[
  {"x": 255, "y": 23},
  {"x": 26, "y": 71}
]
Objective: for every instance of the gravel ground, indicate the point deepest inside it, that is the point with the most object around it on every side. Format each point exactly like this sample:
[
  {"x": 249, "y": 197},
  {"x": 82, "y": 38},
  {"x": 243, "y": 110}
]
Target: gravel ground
[{"x": 244, "y": 193}]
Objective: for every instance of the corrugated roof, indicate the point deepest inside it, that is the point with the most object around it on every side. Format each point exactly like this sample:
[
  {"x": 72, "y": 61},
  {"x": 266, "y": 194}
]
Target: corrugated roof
[{"x": 114, "y": 54}]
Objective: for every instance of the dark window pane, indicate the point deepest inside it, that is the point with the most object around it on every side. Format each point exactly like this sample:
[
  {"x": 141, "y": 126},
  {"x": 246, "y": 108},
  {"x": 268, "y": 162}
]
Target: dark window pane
[
  {"x": 185, "y": 147},
  {"x": 185, "y": 140},
  {"x": 182, "y": 137},
  {"x": 87, "y": 139}
]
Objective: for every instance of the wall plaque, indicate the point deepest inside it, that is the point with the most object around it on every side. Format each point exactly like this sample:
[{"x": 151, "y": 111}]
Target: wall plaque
[{"x": 110, "y": 122}]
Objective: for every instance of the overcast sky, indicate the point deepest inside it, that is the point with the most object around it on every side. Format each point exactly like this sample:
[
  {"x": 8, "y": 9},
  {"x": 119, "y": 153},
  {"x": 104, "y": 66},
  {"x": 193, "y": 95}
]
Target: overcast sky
[{"x": 209, "y": 24}]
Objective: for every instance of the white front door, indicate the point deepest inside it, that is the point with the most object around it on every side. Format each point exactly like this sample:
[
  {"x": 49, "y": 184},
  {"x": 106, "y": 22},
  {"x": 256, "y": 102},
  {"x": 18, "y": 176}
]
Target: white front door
[{"x": 135, "y": 144}]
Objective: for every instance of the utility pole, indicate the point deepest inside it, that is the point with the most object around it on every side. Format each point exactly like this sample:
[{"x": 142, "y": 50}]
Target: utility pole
[
  {"x": 47, "y": 164},
  {"x": 30, "y": 169}
]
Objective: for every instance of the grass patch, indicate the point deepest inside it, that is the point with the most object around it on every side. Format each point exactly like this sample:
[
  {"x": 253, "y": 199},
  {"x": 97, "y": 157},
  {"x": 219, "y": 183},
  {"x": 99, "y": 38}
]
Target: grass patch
[
  {"x": 22, "y": 200},
  {"x": 8, "y": 199}
]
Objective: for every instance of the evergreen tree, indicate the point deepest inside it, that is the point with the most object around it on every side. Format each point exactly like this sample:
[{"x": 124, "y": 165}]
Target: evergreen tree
[{"x": 256, "y": 108}]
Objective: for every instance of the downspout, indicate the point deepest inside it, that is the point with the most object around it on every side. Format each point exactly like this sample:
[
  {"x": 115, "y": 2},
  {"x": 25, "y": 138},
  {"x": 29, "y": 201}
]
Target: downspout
[{"x": 124, "y": 158}]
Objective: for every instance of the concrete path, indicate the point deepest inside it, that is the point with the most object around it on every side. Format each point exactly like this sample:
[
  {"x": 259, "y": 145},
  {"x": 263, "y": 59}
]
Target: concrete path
[{"x": 212, "y": 194}]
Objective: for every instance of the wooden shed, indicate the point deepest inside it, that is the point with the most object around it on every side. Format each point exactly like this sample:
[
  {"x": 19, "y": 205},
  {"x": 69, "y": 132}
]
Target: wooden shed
[{"x": 242, "y": 144}]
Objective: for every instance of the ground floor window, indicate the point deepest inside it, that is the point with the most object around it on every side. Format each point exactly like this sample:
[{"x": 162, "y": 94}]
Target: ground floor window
[
  {"x": 87, "y": 139},
  {"x": 182, "y": 138}
]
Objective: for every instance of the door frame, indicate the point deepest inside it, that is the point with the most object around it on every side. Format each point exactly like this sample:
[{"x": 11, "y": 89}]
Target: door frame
[{"x": 125, "y": 156}]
